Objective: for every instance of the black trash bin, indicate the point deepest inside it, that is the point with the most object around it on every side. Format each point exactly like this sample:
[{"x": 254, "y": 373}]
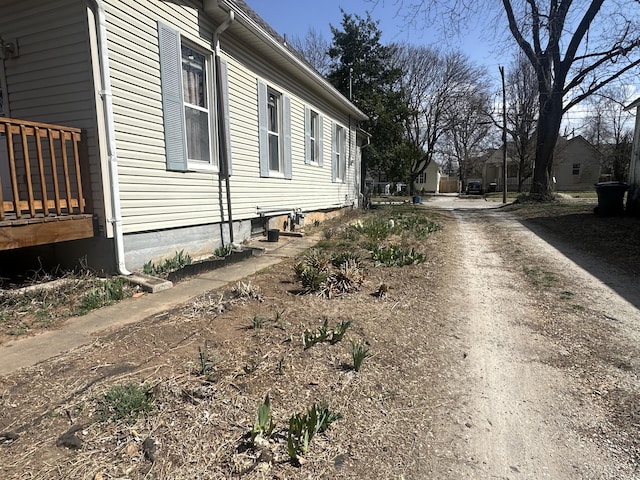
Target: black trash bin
[{"x": 610, "y": 198}]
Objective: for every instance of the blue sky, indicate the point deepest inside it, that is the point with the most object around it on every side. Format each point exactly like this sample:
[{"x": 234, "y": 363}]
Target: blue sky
[{"x": 295, "y": 17}]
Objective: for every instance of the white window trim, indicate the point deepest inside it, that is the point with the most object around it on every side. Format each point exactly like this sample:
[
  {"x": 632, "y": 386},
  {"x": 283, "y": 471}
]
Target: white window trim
[
  {"x": 340, "y": 152},
  {"x": 213, "y": 165},
  {"x": 173, "y": 105},
  {"x": 271, "y": 133},
  {"x": 314, "y": 145},
  {"x": 284, "y": 131}
]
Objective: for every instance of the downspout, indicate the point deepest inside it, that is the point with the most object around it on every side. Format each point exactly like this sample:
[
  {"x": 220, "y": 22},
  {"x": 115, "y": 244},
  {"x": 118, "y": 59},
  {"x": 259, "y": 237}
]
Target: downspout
[
  {"x": 110, "y": 133},
  {"x": 222, "y": 124}
]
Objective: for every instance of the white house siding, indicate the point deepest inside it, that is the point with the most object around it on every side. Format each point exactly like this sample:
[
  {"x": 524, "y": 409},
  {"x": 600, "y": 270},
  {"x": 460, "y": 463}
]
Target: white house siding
[
  {"x": 164, "y": 211},
  {"x": 51, "y": 80},
  {"x": 311, "y": 187},
  {"x": 151, "y": 196}
]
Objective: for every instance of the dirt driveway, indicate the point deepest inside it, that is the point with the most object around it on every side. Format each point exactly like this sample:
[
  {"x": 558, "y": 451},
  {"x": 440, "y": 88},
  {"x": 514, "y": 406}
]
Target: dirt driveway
[
  {"x": 547, "y": 371},
  {"x": 500, "y": 357}
]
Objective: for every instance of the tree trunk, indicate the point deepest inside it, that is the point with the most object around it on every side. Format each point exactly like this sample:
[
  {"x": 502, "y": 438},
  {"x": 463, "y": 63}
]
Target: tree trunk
[{"x": 547, "y": 136}]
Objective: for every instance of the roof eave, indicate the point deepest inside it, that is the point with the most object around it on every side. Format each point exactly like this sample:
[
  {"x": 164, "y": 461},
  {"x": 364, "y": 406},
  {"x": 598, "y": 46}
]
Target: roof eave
[{"x": 211, "y": 6}]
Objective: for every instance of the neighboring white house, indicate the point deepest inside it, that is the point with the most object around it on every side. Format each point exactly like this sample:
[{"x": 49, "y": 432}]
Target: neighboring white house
[
  {"x": 633, "y": 196},
  {"x": 429, "y": 180},
  {"x": 170, "y": 95}
]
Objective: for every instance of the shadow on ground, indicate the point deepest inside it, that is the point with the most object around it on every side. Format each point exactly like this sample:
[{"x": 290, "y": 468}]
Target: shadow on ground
[{"x": 592, "y": 241}]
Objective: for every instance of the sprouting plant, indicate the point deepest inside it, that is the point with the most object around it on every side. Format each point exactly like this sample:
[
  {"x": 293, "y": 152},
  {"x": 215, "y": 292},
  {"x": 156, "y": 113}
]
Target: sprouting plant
[
  {"x": 223, "y": 251},
  {"x": 338, "y": 331},
  {"x": 105, "y": 293},
  {"x": 247, "y": 291},
  {"x": 396, "y": 255},
  {"x": 324, "y": 334},
  {"x": 178, "y": 261},
  {"x": 264, "y": 424},
  {"x": 304, "y": 426},
  {"x": 205, "y": 364},
  {"x": 125, "y": 402},
  {"x": 257, "y": 322},
  {"x": 359, "y": 352}
]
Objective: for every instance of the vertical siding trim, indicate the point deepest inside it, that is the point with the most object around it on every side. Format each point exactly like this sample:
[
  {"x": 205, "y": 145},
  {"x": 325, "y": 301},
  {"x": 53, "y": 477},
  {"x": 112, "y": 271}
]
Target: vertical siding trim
[
  {"x": 286, "y": 132},
  {"x": 263, "y": 137},
  {"x": 172, "y": 100}
]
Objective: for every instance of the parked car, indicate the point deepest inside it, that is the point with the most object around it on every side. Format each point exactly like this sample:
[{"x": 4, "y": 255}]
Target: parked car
[{"x": 474, "y": 187}]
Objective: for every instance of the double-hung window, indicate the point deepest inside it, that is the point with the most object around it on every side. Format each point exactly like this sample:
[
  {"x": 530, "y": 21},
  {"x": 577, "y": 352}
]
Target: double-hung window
[
  {"x": 313, "y": 137},
  {"x": 575, "y": 169},
  {"x": 274, "y": 125},
  {"x": 274, "y": 122},
  {"x": 188, "y": 102},
  {"x": 339, "y": 153},
  {"x": 197, "y": 114}
]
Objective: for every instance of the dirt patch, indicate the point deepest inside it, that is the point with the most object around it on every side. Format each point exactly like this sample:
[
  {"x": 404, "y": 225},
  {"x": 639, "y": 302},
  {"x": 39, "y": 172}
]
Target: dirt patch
[{"x": 201, "y": 422}]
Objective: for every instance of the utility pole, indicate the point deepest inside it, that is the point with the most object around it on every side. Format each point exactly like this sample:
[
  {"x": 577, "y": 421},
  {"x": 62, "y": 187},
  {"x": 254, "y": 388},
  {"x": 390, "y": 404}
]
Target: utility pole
[{"x": 504, "y": 136}]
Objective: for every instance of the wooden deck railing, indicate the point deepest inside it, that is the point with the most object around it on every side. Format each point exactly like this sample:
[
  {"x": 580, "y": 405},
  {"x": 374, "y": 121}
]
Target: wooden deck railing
[{"x": 39, "y": 170}]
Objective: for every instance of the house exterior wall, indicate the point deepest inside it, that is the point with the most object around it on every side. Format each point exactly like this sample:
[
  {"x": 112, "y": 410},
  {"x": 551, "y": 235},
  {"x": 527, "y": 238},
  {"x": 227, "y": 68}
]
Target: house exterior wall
[
  {"x": 51, "y": 81},
  {"x": 577, "y": 152},
  {"x": 432, "y": 179},
  {"x": 169, "y": 208}
]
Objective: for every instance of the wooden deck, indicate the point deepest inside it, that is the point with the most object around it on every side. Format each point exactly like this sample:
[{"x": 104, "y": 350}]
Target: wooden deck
[{"x": 43, "y": 180}]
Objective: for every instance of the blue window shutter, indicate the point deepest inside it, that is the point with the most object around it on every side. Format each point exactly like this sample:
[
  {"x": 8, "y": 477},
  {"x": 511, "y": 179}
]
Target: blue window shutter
[
  {"x": 172, "y": 102},
  {"x": 286, "y": 132},
  {"x": 263, "y": 137},
  {"x": 225, "y": 106},
  {"x": 320, "y": 139},
  {"x": 307, "y": 135},
  {"x": 334, "y": 151}
]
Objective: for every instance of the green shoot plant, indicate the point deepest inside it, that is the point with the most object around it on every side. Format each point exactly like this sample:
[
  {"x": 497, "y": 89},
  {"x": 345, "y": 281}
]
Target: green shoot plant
[
  {"x": 359, "y": 352},
  {"x": 205, "y": 364},
  {"x": 304, "y": 426},
  {"x": 338, "y": 332},
  {"x": 264, "y": 424},
  {"x": 179, "y": 260},
  {"x": 125, "y": 402}
]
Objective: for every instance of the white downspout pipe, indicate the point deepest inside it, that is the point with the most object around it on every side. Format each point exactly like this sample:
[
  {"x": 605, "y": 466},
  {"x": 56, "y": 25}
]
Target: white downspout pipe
[{"x": 110, "y": 133}]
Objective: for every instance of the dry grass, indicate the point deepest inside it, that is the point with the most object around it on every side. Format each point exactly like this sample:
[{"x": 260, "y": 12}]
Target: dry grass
[
  {"x": 613, "y": 240},
  {"x": 201, "y": 423}
]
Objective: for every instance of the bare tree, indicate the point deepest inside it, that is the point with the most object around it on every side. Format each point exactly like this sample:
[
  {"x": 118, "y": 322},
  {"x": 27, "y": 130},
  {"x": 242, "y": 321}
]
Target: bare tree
[
  {"x": 610, "y": 128},
  {"x": 522, "y": 113},
  {"x": 575, "y": 48},
  {"x": 469, "y": 129},
  {"x": 435, "y": 86},
  {"x": 314, "y": 48}
]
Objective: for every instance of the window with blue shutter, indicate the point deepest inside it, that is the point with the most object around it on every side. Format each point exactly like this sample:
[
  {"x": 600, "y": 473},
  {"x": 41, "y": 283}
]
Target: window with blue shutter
[
  {"x": 313, "y": 137},
  {"x": 187, "y": 101},
  {"x": 274, "y": 132}
]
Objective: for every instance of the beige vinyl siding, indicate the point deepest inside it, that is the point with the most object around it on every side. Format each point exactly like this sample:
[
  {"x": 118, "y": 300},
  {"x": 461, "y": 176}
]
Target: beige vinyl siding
[
  {"x": 151, "y": 196},
  {"x": 51, "y": 80},
  {"x": 311, "y": 186}
]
